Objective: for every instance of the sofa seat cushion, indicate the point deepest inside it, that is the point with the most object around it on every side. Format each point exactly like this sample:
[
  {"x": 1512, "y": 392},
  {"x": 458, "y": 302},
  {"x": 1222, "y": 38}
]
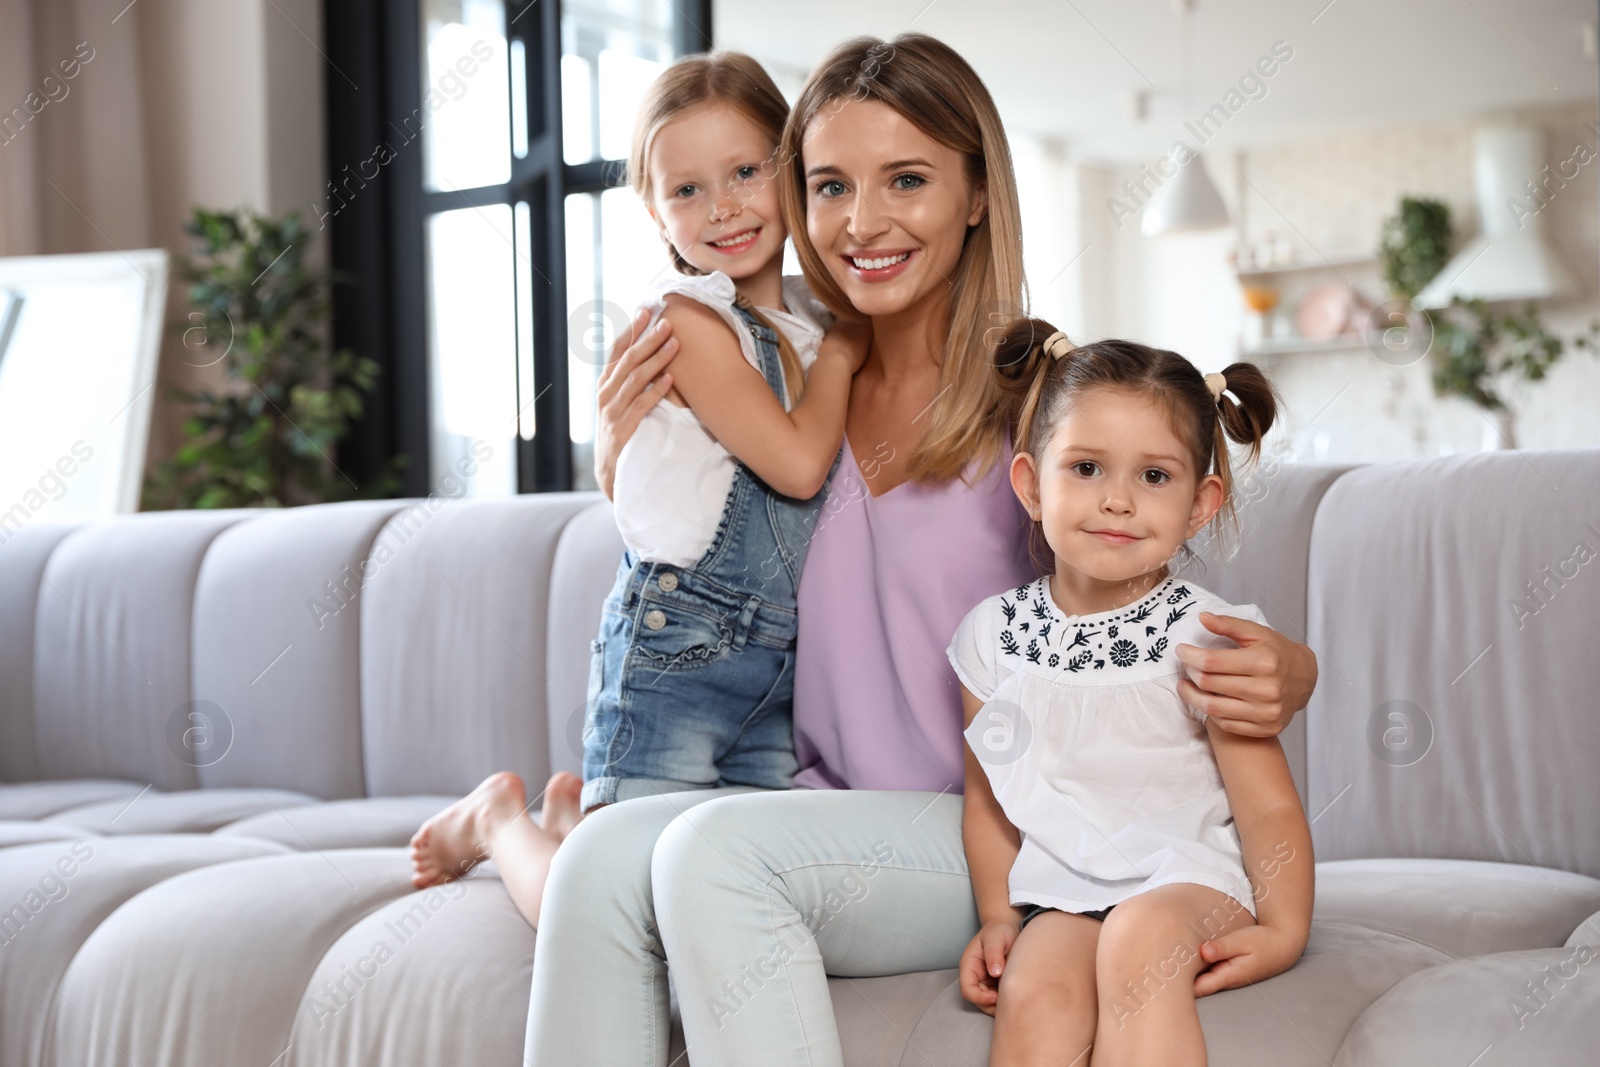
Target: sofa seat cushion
[
  {"x": 36, "y": 800},
  {"x": 1296, "y": 1019},
  {"x": 1460, "y": 907},
  {"x": 332, "y": 953},
  {"x": 374, "y": 822},
  {"x": 188, "y": 811},
  {"x": 1504, "y": 1009},
  {"x": 58, "y": 894}
]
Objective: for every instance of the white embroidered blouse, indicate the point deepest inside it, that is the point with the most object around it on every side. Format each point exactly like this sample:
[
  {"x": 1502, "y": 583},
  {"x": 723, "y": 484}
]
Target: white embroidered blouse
[{"x": 1096, "y": 760}]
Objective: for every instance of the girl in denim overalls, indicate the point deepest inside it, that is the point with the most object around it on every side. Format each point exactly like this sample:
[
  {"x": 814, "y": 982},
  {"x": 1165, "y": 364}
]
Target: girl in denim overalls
[
  {"x": 717, "y": 492},
  {"x": 691, "y": 681}
]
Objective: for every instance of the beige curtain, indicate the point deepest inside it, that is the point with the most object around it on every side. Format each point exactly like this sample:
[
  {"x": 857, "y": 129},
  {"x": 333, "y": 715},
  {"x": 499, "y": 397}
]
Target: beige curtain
[{"x": 74, "y": 174}]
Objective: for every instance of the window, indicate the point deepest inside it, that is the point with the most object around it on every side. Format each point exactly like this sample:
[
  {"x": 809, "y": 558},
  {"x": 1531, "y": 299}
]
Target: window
[{"x": 495, "y": 257}]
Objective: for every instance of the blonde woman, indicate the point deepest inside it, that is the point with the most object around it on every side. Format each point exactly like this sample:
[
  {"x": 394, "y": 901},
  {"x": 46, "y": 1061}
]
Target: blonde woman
[{"x": 898, "y": 186}]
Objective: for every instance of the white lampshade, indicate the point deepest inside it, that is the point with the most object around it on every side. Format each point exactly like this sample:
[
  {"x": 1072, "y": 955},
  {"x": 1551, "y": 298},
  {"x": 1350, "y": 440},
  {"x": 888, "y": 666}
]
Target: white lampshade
[{"x": 1187, "y": 203}]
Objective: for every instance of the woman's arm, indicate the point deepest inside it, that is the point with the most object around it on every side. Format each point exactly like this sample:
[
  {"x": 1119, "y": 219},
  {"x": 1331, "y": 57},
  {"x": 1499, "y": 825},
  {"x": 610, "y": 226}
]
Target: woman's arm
[
  {"x": 1255, "y": 689},
  {"x": 992, "y": 844},
  {"x": 789, "y": 450},
  {"x": 1276, "y": 843},
  {"x": 629, "y": 387}
]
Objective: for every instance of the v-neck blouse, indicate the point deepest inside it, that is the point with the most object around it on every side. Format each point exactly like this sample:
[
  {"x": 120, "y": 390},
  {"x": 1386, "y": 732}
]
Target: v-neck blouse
[{"x": 886, "y": 582}]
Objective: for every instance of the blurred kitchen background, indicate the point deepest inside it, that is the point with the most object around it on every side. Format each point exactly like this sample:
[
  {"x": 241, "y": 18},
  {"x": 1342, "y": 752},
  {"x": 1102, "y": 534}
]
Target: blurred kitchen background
[{"x": 455, "y": 163}]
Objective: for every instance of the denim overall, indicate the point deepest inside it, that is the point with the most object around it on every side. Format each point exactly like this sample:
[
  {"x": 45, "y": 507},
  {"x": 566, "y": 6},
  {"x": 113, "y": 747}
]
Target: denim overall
[{"x": 691, "y": 682}]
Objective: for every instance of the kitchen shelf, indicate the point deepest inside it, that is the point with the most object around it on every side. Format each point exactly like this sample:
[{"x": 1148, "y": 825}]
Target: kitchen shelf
[
  {"x": 1345, "y": 342},
  {"x": 1333, "y": 263}
]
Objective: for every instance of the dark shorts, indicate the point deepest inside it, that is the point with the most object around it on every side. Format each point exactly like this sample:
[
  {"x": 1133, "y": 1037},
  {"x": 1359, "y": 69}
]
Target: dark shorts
[{"x": 1033, "y": 911}]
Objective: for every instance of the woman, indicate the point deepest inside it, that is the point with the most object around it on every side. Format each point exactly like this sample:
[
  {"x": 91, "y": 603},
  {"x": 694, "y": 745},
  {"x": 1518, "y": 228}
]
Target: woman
[{"x": 898, "y": 185}]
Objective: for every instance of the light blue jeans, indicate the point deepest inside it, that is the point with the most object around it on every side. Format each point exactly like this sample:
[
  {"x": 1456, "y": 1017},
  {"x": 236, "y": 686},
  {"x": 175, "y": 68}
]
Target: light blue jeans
[{"x": 754, "y": 897}]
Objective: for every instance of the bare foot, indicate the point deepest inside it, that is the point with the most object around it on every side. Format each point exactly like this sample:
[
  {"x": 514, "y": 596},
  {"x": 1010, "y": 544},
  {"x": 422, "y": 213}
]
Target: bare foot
[
  {"x": 561, "y": 813},
  {"x": 456, "y": 840}
]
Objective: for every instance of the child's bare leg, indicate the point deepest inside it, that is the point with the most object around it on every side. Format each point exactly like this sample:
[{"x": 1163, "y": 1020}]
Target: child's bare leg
[
  {"x": 489, "y": 823},
  {"x": 1047, "y": 1008},
  {"x": 1149, "y": 954}
]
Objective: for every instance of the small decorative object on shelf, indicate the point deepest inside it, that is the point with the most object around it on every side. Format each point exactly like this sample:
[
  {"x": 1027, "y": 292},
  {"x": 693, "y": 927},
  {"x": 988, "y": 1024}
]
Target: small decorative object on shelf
[{"x": 1328, "y": 311}]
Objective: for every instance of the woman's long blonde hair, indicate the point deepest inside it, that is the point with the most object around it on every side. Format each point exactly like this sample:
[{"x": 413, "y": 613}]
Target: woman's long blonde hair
[
  {"x": 925, "y": 80},
  {"x": 719, "y": 77}
]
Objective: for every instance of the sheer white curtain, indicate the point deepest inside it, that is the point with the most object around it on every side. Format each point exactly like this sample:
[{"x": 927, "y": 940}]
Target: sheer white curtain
[{"x": 74, "y": 170}]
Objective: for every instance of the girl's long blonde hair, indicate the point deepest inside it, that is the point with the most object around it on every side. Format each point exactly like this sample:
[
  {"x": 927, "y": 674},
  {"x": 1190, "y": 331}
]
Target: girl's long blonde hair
[
  {"x": 719, "y": 77},
  {"x": 925, "y": 80}
]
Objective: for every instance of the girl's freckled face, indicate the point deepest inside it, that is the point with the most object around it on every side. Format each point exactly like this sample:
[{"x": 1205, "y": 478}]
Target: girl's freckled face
[{"x": 708, "y": 193}]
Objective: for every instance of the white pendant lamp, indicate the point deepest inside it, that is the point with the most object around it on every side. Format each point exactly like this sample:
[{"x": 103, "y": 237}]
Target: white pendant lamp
[{"x": 1189, "y": 201}]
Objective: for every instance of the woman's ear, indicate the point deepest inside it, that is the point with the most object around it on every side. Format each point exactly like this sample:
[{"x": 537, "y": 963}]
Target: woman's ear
[
  {"x": 1025, "y": 483},
  {"x": 980, "y": 203},
  {"x": 1207, "y": 502}
]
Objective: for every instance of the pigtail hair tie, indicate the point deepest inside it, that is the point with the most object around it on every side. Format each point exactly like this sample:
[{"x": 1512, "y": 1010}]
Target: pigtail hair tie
[
  {"x": 1216, "y": 383},
  {"x": 1057, "y": 345}
]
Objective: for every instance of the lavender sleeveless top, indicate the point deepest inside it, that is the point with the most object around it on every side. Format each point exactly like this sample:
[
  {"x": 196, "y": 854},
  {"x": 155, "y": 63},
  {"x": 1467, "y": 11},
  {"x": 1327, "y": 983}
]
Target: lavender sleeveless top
[{"x": 887, "y": 580}]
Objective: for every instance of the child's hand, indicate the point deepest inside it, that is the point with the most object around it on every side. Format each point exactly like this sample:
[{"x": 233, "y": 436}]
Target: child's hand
[
  {"x": 984, "y": 959},
  {"x": 1249, "y": 954},
  {"x": 850, "y": 341}
]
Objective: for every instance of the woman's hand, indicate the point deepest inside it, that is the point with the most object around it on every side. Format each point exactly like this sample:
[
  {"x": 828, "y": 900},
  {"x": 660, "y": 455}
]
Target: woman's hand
[
  {"x": 633, "y": 381},
  {"x": 984, "y": 959},
  {"x": 1248, "y": 954},
  {"x": 1253, "y": 690}
]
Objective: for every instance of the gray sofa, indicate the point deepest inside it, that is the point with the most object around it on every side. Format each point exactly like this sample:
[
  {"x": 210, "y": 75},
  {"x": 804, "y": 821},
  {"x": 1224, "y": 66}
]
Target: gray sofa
[{"x": 219, "y": 730}]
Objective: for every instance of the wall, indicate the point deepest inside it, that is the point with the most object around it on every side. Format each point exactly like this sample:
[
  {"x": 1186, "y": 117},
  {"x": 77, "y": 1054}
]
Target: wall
[{"x": 1330, "y": 197}]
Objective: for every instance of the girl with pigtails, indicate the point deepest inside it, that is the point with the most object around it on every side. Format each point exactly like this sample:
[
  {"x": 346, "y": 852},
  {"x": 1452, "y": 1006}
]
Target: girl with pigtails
[{"x": 1110, "y": 828}]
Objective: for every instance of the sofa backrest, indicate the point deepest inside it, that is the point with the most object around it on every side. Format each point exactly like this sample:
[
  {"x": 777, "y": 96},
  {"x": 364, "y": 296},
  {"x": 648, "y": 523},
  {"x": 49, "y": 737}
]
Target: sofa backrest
[
  {"x": 1277, "y": 504},
  {"x": 1455, "y": 607},
  {"x": 403, "y": 647}
]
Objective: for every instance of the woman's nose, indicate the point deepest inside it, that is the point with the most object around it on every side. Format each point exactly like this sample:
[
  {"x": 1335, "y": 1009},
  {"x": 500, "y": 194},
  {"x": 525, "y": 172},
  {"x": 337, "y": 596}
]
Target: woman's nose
[{"x": 865, "y": 221}]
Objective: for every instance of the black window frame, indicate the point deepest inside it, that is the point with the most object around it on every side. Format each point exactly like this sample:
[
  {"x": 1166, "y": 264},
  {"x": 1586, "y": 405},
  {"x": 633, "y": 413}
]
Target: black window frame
[{"x": 376, "y": 235}]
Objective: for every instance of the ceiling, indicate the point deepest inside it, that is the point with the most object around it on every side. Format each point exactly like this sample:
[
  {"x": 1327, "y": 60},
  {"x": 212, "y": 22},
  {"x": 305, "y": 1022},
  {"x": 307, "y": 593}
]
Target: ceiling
[{"x": 1073, "y": 68}]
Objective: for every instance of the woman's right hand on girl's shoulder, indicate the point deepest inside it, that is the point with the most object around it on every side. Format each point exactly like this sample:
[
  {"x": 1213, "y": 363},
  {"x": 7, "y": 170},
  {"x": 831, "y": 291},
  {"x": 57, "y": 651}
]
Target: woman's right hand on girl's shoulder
[
  {"x": 848, "y": 340},
  {"x": 984, "y": 960},
  {"x": 633, "y": 381}
]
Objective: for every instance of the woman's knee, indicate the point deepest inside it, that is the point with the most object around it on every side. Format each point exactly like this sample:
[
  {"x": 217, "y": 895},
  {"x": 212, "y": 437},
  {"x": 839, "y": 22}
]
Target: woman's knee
[
  {"x": 708, "y": 845},
  {"x": 608, "y": 852}
]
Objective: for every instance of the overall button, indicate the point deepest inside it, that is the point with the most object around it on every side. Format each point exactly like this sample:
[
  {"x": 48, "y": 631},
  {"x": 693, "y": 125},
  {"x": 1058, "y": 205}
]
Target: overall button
[
  {"x": 668, "y": 582},
  {"x": 655, "y": 618}
]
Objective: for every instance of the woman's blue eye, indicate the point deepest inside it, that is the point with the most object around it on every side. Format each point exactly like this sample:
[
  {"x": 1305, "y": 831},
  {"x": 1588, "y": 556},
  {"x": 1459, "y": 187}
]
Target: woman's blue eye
[
  {"x": 830, "y": 187},
  {"x": 685, "y": 190},
  {"x": 747, "y": 172},
  {"x": 914, "y": 179}
]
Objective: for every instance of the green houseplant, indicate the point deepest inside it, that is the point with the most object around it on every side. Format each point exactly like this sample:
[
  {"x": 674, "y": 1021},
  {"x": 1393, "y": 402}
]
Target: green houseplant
[
  {"x": 1479, "y": 352},
  {"x": 266, "y": 438}
]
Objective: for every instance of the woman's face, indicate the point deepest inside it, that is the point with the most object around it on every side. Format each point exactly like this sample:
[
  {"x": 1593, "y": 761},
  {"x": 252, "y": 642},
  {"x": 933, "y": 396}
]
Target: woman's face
[{"x": 887, "y": 206}]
